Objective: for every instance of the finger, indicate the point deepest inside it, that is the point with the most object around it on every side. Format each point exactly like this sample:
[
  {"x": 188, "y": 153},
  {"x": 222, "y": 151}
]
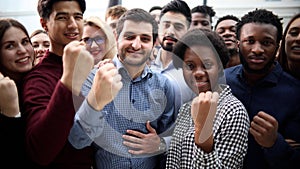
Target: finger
[
  {"x": 131, "y": 138},
  {"x": 267, "y": 117},
  {"x": 132, "y": 145},
  {"x": 255, "y": 126},
  {"x": 1, "y": 75},
  {"x": 215, "y": 97},
  {"x": 136, "y": 133},
  {"x": 254, "y": 132},
  {"x": 136, "y": 152},
  {"x": 149, "y": 128},
  {"x": 262, "y": 123}
]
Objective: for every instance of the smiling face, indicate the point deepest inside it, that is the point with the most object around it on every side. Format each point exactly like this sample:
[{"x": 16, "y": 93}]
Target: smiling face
[
  {"x": 292, "y": 41},
  {"x": 17, "y": 53},
  {"x": 135, "y": 43},
  {"x": 96, "y": 49},
  {"x": 200, "y": 68},
  {"x": 226, "y": 29},
  {"x": 41, "y": 44},
  {"x": 64, "y": 25},
  {"x": 258, "y": 47}
]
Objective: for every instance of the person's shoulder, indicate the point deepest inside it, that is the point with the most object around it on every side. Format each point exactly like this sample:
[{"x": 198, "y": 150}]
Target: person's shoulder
[
  {"x": 290, "y": 79},
  {"x": 227, "y": 99},
  {"x": 233, "y": 69}
]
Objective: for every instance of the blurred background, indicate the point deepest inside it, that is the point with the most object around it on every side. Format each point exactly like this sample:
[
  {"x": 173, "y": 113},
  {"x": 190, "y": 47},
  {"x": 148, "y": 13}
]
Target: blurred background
[{"x": 26, "y": 13}]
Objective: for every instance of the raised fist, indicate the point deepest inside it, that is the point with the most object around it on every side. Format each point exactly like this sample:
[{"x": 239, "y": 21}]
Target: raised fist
[{"x": 77, "y": 64}]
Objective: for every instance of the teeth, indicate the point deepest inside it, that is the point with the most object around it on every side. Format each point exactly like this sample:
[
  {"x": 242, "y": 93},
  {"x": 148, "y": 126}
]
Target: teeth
[
  {"x": 23, "y": 60},
  {"x": 296, "y": 48}
]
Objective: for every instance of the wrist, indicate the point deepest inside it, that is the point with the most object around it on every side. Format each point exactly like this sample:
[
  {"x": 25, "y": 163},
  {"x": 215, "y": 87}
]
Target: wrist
[{"x": 162, "y": 145}]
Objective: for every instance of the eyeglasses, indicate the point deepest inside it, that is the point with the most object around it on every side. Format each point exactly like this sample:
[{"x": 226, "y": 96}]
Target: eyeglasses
[{"x": 98, "y": 40}]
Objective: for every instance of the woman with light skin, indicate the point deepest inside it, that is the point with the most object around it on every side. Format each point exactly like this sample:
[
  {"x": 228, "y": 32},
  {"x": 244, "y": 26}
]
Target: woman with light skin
[
  {"x": 41, "y": 43},
  {"x": 99, "y": 39},
  {"x": 16, "y": 59},
  {"x": 289, "y": 51}
]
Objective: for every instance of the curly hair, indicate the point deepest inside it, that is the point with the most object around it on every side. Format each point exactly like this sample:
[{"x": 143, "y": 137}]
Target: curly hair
[
  {"x": 227, "y": 17},
  {"x": 261, "y": 16},
  {"x": 201, "y": 37},
  {"x": 205, "y": 10}
]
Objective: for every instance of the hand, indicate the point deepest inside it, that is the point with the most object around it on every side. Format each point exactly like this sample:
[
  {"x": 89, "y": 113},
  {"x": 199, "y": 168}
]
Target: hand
[
  {"x": 141, "y": 143},
  {"x": 293, "y": 143},
  {"x": 77, "y": 64},
  {"x": 264, "y": 129},
  {"x": 106, "y": 85},
  {"x": 203, "y": 112},
  {"x": 9, "y": 101}
]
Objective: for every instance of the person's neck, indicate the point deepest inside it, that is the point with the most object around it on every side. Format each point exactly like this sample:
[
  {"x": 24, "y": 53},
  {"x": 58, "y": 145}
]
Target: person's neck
[
  {"x": 253, "y": 78},
  {"x": 134, "y": 71},
  {"x": 233, "y": 60},
  {"x": 58, "y": 50},
  {"x": 165, "y": 58}
]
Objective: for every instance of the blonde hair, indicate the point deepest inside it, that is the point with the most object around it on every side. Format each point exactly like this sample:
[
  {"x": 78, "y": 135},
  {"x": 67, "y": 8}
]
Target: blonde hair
[{"x": 110, "y": 42}]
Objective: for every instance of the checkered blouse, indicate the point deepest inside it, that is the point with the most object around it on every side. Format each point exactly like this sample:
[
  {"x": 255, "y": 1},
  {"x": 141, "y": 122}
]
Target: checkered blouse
[{"x": 230, "y": 132}]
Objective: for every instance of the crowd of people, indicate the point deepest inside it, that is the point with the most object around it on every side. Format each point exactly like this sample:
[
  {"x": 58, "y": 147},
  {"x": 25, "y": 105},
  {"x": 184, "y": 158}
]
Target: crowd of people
[{"x": 157, "y": 89}]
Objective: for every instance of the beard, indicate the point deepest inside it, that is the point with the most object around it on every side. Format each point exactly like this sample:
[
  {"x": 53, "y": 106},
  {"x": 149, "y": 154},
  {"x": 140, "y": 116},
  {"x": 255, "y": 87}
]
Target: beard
[
  {"x": 168, "y": 46},
  {"x": 132, "y": 62},
  {"x": 264, "y": 70}
]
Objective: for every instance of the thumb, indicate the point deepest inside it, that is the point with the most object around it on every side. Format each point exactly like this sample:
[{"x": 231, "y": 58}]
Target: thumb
[{"x": 149, "y": 128}]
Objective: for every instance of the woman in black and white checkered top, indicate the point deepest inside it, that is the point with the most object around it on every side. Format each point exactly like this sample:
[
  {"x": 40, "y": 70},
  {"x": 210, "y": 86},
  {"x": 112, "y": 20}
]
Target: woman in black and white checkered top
[{"x": 211, "y": 131}]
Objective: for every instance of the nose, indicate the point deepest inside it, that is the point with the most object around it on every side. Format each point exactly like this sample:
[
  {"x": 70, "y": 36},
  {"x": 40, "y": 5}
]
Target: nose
[
  {"x": 170, "y": 30},
  {"x": 72, "y": 22},
  {"x": 21, "y": 49},
  {"x": 228, "y": 33},
  {"x": 94, "y": 44},
  {"x": 199, "y": 72},
  {"x": 136, "y": 44},
  {"x": 257, "y": 48}
]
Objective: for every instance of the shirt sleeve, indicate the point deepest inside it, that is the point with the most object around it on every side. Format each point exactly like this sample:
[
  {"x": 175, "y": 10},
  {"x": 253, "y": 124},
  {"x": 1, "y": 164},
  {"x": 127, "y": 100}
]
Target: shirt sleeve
[
  {"x": 88, "y": 125},
  {"x": 282, "y": 155}
]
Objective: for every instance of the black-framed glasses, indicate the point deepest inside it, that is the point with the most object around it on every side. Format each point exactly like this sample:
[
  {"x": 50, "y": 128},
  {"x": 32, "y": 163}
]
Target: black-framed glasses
[{"x": 98, "y": 40}]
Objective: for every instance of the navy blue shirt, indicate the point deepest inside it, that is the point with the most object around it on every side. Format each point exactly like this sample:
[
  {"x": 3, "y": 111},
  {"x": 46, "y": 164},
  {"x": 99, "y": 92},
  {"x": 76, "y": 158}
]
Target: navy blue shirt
[{"x": 277, "y": 94}]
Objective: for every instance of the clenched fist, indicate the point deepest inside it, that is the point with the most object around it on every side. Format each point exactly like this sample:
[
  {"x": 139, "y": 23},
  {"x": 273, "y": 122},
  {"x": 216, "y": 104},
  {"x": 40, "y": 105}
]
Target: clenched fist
[
  {"x": 77, "y": 64},
  {"x": 106, "y": 85},
  {"x": 9, "y": 101},
  {"x": 203, "y": 112}
]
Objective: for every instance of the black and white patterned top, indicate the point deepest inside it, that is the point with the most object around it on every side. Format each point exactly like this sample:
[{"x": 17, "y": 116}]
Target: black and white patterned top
[{"x": 230, "y": 131}]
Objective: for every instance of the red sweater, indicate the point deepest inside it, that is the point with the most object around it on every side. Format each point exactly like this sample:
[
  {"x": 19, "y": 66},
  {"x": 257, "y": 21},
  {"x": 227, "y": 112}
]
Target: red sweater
[{"x": 49, "y": 110}]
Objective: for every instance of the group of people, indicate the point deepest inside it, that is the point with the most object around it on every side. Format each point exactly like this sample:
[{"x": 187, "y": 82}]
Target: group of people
[{"x": 87, "y": 93}]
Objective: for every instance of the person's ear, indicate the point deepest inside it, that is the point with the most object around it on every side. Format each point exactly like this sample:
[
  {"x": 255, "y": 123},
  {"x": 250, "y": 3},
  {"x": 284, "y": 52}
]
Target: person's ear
[{"x": 44, "y": 24}]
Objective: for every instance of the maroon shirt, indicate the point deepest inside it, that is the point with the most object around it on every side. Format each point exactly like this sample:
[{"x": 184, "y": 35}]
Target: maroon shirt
[{"x": 49, "y": 110}]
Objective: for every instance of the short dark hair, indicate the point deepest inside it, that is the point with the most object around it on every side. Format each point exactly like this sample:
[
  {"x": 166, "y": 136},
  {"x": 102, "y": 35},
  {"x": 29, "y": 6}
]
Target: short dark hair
[
  {"x": 45, "y": 7},
  {"x": 227, "y": 17},
  {"x": 261, "y": 16},
  {"x": 155, "y": 8},
  {"x": 201, "y": 37},
  {"x": 178, "y": 6},
  {"x": 205, "y": 10},
  {"x": 138, "y": 15}
]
